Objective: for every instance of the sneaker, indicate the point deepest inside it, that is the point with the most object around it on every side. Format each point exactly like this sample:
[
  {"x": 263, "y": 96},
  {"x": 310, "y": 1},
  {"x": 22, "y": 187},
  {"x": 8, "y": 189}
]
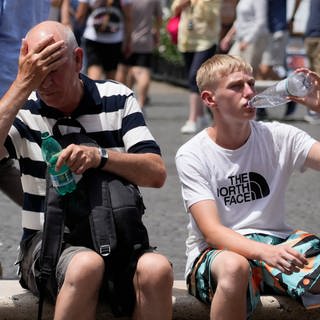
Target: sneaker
[
  {"x": 189, "y": 127},
  {"x": 313, "y": 118}
]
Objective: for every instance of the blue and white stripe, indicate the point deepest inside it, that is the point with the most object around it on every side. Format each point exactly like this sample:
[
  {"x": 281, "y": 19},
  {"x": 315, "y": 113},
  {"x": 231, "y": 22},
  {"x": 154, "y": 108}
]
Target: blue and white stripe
[{"x": 108, "y": 112}]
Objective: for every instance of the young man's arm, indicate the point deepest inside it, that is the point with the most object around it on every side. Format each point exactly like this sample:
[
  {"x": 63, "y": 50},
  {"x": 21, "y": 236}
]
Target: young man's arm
[
  {"x": 313, "y": 158},
  {"x": 282, "y": 257}
]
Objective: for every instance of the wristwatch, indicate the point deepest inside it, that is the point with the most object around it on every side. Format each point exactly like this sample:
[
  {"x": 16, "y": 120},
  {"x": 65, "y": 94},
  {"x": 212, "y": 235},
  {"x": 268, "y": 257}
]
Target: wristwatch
[{"x": 104, "y": 157}]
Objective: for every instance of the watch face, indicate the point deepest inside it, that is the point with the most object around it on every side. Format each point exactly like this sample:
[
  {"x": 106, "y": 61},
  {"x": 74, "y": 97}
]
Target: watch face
[
  {"x": 104, "y": 153},
  {"x": 104, "y": 157}
]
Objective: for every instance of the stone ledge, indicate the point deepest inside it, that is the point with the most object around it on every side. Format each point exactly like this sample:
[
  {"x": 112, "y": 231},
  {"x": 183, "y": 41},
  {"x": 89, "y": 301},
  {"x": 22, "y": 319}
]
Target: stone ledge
[{"x": 19, "y": 304}]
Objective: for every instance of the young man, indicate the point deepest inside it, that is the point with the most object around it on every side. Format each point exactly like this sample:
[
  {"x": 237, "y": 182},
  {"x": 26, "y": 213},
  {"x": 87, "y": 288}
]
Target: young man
[
  {"x": 49, "y": 63},
  {"x": 233, "y": 176}
]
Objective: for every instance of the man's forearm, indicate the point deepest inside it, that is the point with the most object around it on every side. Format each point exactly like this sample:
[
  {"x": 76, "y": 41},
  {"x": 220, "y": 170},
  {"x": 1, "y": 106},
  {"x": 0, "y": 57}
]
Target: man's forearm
[
  {"x": 145, "y": 170},
  {"x": 10, "y": 104}
]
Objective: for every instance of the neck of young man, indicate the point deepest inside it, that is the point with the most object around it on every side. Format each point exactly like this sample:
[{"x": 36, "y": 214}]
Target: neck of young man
[{"x": 228, "y": 137}]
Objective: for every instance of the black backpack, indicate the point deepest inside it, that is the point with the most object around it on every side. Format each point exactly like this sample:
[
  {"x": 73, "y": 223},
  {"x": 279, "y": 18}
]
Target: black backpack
[{"x": 104, "y": 213}]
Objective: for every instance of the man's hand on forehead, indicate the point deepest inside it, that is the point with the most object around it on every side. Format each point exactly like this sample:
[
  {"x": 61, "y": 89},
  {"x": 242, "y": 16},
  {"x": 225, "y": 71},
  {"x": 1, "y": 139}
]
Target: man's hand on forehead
[{"x": 39, "y": 58}]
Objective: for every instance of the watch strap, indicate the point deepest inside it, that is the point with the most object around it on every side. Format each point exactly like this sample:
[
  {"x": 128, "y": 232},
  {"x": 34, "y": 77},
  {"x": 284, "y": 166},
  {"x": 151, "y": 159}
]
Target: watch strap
[{"x": 103, "y": 157}]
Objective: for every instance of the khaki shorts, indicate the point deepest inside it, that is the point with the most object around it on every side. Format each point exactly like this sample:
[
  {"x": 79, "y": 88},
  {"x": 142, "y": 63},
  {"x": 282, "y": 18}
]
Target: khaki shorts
[{"x": 29, "y": 266}]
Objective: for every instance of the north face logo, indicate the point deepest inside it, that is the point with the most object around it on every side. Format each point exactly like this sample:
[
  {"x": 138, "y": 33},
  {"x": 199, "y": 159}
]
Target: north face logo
[{"x": 244, "y": 187}]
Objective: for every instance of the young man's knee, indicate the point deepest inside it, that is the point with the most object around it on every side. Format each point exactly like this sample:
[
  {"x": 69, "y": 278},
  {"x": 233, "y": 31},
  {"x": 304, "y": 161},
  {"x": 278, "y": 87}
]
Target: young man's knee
[{"x": 235, "y": 270}]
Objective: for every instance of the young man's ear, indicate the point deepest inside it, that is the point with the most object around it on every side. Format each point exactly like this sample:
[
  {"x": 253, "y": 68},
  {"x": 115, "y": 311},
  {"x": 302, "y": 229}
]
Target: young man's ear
[{"x": 208, "y": 98}]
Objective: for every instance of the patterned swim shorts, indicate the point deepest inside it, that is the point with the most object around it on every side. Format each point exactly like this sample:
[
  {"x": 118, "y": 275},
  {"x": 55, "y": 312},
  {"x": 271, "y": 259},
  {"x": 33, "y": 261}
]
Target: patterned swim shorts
[{"x": 263, "y": 278}]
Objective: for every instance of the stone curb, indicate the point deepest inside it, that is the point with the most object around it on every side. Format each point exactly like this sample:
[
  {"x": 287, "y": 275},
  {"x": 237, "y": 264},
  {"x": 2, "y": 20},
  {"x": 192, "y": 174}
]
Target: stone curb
[{"x": 19, "y": 304}]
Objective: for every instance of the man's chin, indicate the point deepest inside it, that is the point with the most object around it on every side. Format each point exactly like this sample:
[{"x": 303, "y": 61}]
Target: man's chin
[{"x": 49, "y": 99}]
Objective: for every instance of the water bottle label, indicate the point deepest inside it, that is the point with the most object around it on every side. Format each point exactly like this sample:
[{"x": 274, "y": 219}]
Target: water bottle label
[{"x": 63, "y": 179}]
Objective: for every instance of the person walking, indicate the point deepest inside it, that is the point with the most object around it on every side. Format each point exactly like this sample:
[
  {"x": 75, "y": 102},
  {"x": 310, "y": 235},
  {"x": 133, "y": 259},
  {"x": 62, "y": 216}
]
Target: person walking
[
  {"x": 198, "y": 38},
  {"x": 248, "y": 35},
  {"x": 135, "y": 70},
  {"x": 106, "y": 36},
  {"x": 273, "y": 63}
]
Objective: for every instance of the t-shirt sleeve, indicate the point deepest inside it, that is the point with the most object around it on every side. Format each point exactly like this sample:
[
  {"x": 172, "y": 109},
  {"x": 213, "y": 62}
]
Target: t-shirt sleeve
[
  {"x": 298, "y": 143},
  {"x": 193, "y": 178}
]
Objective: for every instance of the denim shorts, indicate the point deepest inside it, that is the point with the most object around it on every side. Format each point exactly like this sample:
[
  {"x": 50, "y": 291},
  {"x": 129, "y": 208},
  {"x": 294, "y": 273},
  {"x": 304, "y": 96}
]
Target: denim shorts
[{"x": 263, "y": 278}]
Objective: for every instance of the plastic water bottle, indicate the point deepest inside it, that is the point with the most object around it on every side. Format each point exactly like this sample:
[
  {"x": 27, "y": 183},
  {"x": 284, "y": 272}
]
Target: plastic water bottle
[
  {"x": 297, "y": 84},
  {"x": 62, "y": 180}
]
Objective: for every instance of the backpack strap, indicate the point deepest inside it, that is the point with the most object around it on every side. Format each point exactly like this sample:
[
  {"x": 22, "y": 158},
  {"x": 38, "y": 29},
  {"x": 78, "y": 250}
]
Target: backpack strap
[
  {"x": 51, "y": 240},
  {"x": 54, "y": 223},
  {"x": 101, "y": 219}
]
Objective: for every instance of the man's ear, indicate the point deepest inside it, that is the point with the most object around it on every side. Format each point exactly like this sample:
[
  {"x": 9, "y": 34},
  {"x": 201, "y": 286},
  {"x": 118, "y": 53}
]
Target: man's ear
[
  {"x": 78, "y": 55},
  {"x": 208, "y": 98}
]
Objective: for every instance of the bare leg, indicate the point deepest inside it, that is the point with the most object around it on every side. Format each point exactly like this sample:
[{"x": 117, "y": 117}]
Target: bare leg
[
  {"x": 196, "y": 114},
  {"x": 95, "y": 72},
  {"x": 153, "y": 282},
  {"x": 79, "y": 294},
  {"x": 142, "y": 78},
  {"x": 122, "y": 73},
  {"x": 196, "y": 107},
  {"x": 231, "y": 272}
]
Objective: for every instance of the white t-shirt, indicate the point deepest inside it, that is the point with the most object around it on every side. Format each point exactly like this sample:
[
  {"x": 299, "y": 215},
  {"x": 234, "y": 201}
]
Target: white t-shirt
[{"x": 248, "y": 184}]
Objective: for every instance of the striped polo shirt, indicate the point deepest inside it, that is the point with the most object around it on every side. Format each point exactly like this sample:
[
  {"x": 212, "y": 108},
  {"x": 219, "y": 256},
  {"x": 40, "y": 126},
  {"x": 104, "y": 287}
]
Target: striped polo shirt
[{"x": 108, "y": 112}]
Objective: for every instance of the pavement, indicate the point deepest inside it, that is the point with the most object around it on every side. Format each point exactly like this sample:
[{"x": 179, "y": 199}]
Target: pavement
[{"x": 165, "y": 216}]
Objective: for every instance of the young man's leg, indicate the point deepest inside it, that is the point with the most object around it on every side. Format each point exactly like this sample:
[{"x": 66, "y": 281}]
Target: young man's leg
[
  {"x": 224, "y": 280},
  {"x": 231, "y": 273},
  {"x": 153, "y": 282}
]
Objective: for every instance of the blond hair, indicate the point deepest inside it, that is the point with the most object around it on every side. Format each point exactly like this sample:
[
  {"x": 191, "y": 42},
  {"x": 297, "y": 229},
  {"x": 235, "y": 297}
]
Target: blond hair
[{"x": 219, "y": 65}]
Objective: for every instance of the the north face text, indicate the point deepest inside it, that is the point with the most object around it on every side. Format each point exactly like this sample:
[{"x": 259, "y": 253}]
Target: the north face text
[{"x": 244, "y": 187}]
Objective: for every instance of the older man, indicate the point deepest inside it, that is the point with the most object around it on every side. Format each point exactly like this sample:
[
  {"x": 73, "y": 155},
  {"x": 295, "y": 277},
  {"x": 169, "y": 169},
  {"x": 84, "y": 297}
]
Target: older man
[{"x": 50, "y": 63}]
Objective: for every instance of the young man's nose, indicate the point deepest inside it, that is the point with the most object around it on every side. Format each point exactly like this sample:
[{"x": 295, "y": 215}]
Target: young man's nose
[{"x": 249, "y": 90}]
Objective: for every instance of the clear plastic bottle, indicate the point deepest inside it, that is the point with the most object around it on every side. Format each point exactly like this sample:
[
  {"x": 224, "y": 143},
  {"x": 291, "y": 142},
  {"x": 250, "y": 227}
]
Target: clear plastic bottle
[
  {"x": 297, "y": 84},
  {"x": 62, "y": 180}
]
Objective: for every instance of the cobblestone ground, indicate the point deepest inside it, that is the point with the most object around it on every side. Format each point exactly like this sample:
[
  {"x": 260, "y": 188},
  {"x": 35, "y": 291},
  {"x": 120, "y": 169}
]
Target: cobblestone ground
[{"x": 165, "y": 216}]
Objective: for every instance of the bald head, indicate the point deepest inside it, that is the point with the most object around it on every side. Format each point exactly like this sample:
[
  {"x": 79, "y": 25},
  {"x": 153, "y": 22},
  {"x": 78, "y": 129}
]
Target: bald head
[
  {"x": 51, "y": 48},
  {"x": 47, "y": 28}
]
